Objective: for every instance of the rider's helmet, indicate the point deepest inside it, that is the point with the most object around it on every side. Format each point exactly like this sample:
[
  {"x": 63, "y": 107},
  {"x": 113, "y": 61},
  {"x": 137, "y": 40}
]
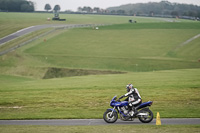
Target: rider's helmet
[{"x": 129, "y": 86}]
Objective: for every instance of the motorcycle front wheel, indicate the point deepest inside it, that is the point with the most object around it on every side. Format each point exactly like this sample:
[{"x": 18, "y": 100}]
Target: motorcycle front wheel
[
  {"x": 110, "y": 117},
  {"x": 146, "y": 118}
]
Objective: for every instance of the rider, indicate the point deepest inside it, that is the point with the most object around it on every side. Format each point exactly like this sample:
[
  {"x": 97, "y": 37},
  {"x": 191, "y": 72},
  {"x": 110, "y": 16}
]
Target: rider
[{"x": 133, "y": 98}]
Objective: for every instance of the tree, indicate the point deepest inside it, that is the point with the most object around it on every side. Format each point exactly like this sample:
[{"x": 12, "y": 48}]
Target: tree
[
  {"x": 56, "y": 8},
  {"x": 120, "y": 12},
  {"x": 174, "y": 13},
  {"x": 17, "y": 5},
  {"x": 80, "y": 9},
  {"x": 28, "y": 6},
  {"x": 96, "y": 9},
  {"x": 47, "y": 7},
  {"x": 113, "y": 12},
  {"x": 87, "y": 9}
]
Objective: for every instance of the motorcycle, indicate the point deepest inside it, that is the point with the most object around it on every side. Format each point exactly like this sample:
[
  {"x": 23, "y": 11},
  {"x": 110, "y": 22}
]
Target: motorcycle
[{"x": 144, "y": 114}]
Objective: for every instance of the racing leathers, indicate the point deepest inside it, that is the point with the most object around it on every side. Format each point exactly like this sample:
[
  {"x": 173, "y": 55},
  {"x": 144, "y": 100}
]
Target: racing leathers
[{"x": 133, "y": 98}]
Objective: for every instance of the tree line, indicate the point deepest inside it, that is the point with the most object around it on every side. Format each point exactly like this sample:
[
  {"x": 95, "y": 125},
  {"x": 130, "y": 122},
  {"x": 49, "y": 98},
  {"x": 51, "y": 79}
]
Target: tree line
[
  {"x": 17, "y": 6},
  {"x": 47, "y": 7},
  {"x": 163, "y": 8},
  {"x": 157, "y": 8},
  {"x": 87, "y": 9}
]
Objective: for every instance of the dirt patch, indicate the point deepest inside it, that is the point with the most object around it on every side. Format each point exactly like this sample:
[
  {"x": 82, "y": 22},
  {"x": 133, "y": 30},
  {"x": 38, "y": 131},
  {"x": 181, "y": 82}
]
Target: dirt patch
[{"x": 64, "y": 72}]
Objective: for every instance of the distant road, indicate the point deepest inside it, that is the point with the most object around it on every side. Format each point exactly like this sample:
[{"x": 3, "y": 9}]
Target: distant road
[
  {"x": 188, "y": 41},
  {"x": 38, "y": 27},
  {"x": 35, "y": 28},
  {"x": 70, "y": 122}
]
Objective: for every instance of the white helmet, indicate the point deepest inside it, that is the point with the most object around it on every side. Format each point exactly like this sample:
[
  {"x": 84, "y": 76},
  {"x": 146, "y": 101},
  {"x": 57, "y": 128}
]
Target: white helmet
[{"x": 129, "y": 86}]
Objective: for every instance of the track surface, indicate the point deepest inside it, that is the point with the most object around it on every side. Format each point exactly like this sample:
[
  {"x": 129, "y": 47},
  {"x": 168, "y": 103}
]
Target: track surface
[
  {"x": 28, "y": 30},
  {"x": 23, "y": 32},
  {"x": 164, "y": 121},
  {"x": 37, "y": 27}
]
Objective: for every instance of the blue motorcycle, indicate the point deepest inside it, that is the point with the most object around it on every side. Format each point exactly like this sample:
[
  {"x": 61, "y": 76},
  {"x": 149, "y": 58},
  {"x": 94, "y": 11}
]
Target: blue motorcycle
[{"x": 144, "y": 114}]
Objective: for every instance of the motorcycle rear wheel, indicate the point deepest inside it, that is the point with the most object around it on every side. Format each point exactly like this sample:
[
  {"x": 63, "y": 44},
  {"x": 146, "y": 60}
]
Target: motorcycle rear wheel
[
  {"x": 148, "y": 118},
  {"x": 109, "y": 117}
]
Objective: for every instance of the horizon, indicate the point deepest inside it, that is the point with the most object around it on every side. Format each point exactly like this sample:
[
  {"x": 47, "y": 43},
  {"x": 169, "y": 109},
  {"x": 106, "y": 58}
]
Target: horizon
[{"x": 103, "y": 4}]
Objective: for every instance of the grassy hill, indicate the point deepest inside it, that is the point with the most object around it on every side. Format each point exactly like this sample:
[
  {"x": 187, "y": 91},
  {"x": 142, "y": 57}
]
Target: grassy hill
[
  {"x": 84, "y": 68},
  {"x": 125, "y": 47}
]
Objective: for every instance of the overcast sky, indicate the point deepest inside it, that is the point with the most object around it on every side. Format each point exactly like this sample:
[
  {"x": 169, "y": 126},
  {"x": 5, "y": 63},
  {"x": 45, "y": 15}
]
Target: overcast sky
[{"x": 74, "y": 4}]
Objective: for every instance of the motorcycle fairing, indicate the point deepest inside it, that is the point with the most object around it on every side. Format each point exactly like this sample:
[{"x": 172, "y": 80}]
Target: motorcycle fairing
[
  {"x": 119, "y": 104},
  {"x": 145, "y": 104}
]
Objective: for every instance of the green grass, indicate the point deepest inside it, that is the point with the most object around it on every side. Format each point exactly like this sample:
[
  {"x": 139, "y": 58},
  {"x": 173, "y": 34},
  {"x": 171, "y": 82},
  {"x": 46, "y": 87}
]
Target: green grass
[
  {"x": 175, "y": 94},
  {"x": 12, "y": 22},
  {"x": 174, "y": 25},
  {"x": 146, "y": 51},
  {"x": 99, "y": 129},
  {"x": 124, "y": 49}
]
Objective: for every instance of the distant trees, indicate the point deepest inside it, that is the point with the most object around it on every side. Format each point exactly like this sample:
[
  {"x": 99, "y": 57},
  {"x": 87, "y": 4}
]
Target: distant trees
[
  {"x": 16, "y": 6},
  {"x": 157, "y": 8},
  {"x": 97, "y": 9},
  {"x": 85, "y": 9},
  {"x": 88, "y": 9},
  {"x": 56, "y": 8},
  {"x": 47, "y": 7},
  {"x": 174, "y": 13}
]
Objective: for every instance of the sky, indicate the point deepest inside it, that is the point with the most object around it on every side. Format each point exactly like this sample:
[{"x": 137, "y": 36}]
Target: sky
[{"x": 74, "y": 4}]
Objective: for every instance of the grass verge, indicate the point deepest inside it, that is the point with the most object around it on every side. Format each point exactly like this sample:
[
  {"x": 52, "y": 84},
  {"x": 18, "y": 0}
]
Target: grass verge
[
  {"x": 175, "y": 94},
  {"x": 100, "y": 129}
]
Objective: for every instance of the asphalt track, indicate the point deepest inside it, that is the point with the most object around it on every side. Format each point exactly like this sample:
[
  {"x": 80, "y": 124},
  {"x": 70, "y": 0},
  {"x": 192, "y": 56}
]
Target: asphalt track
[
  {"x": 81, "y": 122},
  {"x": 23, "y": 32},
  {"x": 31, "y": 29},
  {"x": 39, "y": 27}
]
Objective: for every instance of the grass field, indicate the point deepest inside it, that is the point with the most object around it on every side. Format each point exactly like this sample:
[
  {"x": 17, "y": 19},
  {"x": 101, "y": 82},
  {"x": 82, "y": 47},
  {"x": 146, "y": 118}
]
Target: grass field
[
  {"x": 99, "y": 129},
  {"x": 12, "y": 22},
  {"x": 175, "y": 94},
  {"x": 149, "y": 55}
]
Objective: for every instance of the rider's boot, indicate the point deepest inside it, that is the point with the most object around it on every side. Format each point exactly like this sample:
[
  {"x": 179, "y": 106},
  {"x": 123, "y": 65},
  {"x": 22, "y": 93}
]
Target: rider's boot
[
  {"x": 135, "y": 111},
  {"x": 130, "y": 111}
]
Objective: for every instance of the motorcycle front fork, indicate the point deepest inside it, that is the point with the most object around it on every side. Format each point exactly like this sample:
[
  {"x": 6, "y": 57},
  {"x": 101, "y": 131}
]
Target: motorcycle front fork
[{"x": 113, "y": 111}]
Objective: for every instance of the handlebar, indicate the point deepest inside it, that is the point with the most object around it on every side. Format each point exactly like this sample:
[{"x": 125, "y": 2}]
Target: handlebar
[{"x": 118, "y": 100}]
